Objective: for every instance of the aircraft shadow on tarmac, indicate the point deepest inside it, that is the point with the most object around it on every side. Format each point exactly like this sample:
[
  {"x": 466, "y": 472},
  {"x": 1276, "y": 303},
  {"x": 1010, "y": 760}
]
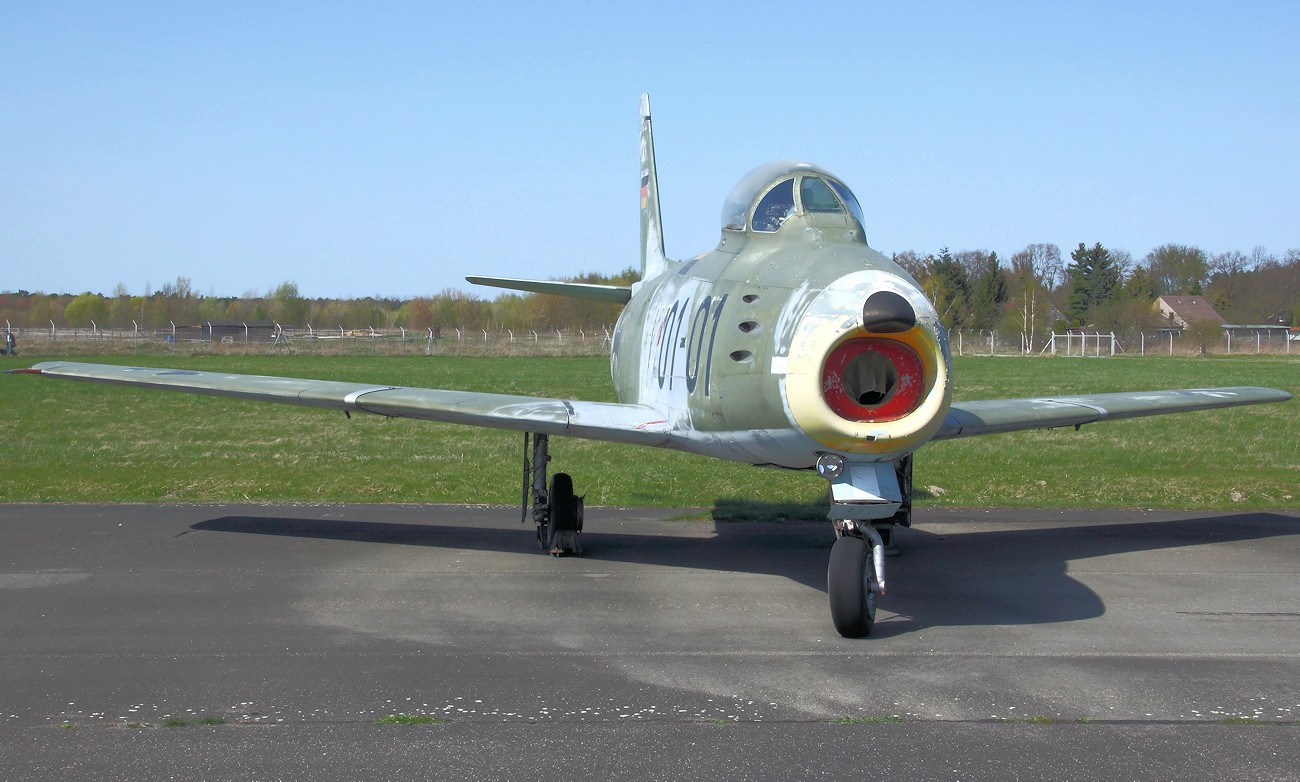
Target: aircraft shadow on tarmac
[{"x": 1002, "y": 577}]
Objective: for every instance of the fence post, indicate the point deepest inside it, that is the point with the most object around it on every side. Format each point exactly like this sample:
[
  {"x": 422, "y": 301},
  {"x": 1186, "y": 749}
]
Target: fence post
[
  {"x": 559, "y": 337},
  {"x": 1171, "y": 343},
  {"x": 1229, "y": 333}
]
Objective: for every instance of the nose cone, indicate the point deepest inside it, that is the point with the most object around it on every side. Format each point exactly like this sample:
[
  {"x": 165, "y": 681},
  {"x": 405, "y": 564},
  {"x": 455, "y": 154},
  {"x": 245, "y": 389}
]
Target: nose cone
[
  {"x": 886, "y": 312},
  {"x": 867, "y": 343}
]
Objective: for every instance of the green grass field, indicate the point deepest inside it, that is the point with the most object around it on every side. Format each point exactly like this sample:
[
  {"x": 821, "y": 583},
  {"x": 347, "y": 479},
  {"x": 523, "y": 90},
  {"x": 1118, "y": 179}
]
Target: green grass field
[{"x": 80, "y": 442}]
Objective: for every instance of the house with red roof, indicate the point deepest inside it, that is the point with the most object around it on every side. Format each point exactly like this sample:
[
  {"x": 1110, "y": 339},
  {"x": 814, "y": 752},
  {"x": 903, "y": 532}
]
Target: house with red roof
[{"x": 1182, "y": 311}]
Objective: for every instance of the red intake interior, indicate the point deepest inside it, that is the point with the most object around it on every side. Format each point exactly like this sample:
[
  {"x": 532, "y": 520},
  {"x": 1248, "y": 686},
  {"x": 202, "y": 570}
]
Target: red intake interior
[{"x": 873, "y": 380}]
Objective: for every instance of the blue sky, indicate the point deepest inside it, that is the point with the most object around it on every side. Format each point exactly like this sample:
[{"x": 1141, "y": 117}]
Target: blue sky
[{"x": 389, "y": 149}]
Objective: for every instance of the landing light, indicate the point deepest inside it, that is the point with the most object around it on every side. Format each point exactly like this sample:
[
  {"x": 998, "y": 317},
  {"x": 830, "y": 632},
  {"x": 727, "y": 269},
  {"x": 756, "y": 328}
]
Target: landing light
[{"x": 830, "y": 466}]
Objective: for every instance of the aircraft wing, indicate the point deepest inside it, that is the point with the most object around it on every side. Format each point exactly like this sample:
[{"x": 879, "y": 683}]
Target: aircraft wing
[
  {"x": 636, "y": 424},
  {"x": 966, "y": 419}
]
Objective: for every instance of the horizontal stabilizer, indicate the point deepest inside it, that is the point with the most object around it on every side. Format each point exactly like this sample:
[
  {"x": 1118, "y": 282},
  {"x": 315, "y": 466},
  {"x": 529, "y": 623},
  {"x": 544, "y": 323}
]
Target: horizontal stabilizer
[{"x": 578, "y": 290}]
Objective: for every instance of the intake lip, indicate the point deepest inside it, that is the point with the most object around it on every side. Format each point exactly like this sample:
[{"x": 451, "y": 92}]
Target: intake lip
[{"x": 886, "y": 312}]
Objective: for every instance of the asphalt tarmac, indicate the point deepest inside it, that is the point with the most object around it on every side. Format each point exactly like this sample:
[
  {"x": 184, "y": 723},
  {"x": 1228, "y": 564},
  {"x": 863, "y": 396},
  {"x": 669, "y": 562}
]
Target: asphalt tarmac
[{"x": 1012, "y": 645}]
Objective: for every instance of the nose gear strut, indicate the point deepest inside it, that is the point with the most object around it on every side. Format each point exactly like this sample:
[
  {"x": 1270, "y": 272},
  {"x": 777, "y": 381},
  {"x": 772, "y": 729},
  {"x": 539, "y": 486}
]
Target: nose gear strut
[{"x": 867, "y": 500}]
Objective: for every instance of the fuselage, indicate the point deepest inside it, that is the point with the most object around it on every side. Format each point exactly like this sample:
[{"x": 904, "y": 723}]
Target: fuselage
[{"x": 765, "y": 349}]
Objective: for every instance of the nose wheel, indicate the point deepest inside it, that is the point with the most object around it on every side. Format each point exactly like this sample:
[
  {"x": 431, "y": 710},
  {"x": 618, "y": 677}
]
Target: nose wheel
[{"x": 852, "y": 586}]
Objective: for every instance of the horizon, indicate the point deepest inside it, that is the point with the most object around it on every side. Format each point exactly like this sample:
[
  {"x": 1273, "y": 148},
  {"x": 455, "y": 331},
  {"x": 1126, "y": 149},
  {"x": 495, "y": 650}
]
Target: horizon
[{"x": 385, "y": 153}]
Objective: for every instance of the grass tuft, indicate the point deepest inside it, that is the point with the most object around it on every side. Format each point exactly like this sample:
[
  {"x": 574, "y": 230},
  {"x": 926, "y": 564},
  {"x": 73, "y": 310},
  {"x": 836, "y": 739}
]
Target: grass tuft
[{"x": 174, "y": 722}]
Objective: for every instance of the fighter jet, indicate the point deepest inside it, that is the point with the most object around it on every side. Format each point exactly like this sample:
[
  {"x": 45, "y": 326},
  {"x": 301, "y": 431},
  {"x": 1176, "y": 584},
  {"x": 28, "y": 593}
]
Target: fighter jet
[{"x": 792, "y": 344}]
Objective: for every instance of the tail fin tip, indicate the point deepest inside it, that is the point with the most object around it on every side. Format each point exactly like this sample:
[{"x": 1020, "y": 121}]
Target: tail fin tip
[{"x": 653, "y": 261}]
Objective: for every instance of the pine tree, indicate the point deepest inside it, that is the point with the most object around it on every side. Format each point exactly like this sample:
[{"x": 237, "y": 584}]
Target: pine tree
[{"x": 1095, "y": 280}]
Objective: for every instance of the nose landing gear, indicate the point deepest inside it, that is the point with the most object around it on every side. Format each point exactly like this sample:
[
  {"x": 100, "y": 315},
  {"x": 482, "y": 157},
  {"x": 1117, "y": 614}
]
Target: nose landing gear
[
  {"x": 867, "y": 500},
  {"x": 854, "y": 577}
]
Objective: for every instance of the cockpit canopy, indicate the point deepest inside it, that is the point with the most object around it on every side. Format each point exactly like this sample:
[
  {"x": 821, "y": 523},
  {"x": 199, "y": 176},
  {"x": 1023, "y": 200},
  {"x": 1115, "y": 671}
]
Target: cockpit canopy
[{"x": 771, "y": 193}]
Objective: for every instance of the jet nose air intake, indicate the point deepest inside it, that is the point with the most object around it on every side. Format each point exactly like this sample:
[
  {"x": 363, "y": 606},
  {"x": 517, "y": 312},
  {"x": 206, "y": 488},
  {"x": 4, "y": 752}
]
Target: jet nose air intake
[{"x": 868, "y": 366}]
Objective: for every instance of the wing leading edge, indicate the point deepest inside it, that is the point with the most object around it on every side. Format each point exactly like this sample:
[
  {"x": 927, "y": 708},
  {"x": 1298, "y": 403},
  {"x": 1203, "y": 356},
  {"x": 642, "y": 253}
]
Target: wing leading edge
[
  {"x": 620, "y": 423},
  {"x": 967, "y": 419}
]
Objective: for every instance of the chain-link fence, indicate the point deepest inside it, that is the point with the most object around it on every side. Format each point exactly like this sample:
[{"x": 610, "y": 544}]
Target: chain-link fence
[
  {"x": 340, "y": 341},
  {"x": 1265, "y": 340},
  {"x": 444, "y": 341}
]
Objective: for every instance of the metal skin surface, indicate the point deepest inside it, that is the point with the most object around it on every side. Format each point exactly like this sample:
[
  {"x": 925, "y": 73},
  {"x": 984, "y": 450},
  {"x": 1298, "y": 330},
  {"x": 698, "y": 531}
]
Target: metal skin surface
[
  {"x": 792, "y": 344},
  {"x": 730, "y": 345}
]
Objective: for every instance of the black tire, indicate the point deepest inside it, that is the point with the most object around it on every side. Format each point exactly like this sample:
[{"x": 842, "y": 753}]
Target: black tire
[
  {"x": 564, "y": 507},
  {"x": 853, "y": 604}
]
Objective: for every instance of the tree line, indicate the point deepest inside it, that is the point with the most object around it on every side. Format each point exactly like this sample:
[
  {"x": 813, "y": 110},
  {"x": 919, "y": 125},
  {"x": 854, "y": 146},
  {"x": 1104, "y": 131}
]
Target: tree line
[
  {"x": 177, "y": 303},
  {"x": 1102, "y": 288},
  {"x": 1032, "y": 293}
]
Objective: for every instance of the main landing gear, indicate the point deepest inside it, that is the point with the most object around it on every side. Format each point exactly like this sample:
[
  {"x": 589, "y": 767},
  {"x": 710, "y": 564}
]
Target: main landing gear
[{"x": 556, "y": 510}]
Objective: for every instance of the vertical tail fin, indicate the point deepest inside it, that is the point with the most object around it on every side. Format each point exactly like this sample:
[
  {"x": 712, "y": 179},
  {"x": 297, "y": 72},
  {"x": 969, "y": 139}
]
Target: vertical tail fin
[{"x": 653, "y": 261}]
